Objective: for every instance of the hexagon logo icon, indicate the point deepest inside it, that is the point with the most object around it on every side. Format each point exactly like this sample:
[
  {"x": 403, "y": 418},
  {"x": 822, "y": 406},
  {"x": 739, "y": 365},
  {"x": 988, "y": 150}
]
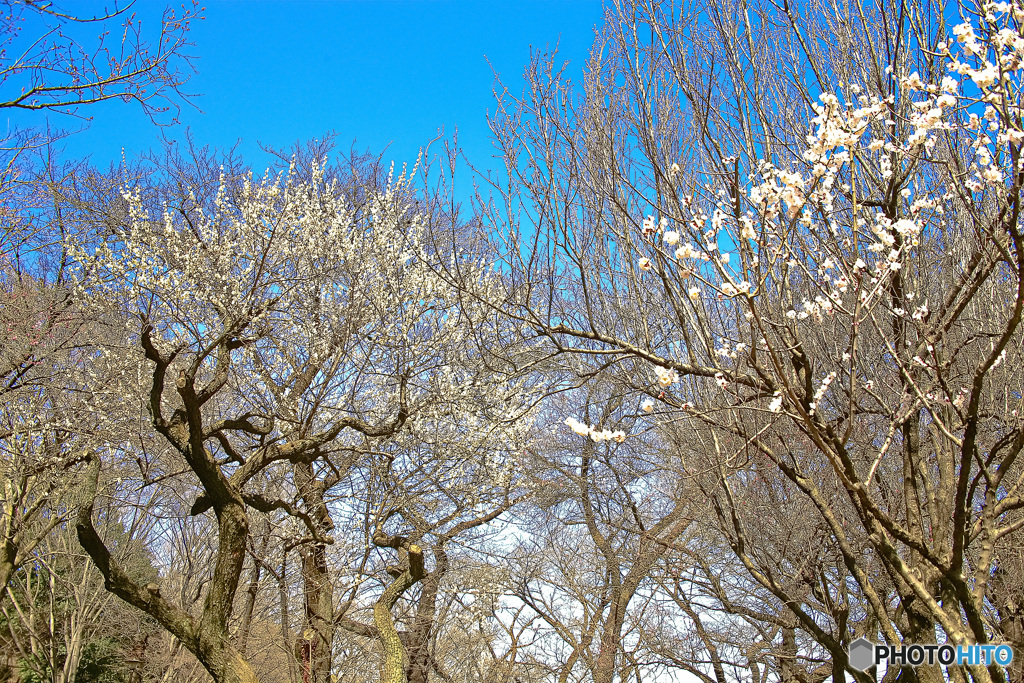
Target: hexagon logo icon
[{"x": 862, "y": 654}]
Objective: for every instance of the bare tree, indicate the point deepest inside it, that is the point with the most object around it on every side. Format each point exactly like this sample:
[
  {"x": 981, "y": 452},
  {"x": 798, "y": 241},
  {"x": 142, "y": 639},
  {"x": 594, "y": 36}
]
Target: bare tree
[
  {"x": 62, "y": 66},
  {"x": 610, "y": 509},
  {"x": 59, "y": 622}
]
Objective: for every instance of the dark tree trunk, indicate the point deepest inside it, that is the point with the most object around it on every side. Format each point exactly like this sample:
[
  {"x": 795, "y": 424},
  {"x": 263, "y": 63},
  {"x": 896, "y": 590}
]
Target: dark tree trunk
[
  {"x": 250, "y": 597},
  {"x": 420, "y": 660},
  {"x": 318, "y": 590}
]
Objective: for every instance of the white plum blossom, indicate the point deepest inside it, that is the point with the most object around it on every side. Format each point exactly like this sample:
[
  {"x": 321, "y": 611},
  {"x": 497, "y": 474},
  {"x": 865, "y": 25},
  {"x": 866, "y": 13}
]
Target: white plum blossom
[
  {"x": 666, "y": 376},
  {"x": 986, "y": 77},
  {"x": 595, "y": 434},
  {"x": 747, "y": 228},
  {"x": 577, "y": 426},
  {"x": 607, "y": 435},
  {"x": 687, "y": 251}
]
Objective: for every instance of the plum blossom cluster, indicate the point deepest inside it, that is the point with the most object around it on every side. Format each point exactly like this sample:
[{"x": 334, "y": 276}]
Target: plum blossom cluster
[
  {"x": 270, "y": 248},
  {"x": 298, "y": 274},
  {"x": 850, "y": 248},
  {"x": 841, "y": 142},
  {"x": 730, "y": 351},
  {"x": 666, "y": 376},
  {"x": 597, "y": 435}
]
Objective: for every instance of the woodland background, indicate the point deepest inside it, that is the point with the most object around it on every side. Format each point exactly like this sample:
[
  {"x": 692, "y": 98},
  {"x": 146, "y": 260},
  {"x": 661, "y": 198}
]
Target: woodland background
[{"x": 720, "y": 374}]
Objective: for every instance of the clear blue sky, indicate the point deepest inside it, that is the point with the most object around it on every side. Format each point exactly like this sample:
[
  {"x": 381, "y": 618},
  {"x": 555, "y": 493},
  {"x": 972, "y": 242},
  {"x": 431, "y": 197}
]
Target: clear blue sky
[{"x": 388, "y": 73}]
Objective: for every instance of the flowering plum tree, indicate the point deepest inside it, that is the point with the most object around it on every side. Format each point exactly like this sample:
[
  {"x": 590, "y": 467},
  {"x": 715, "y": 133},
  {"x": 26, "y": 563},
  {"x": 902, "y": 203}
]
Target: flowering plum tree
[
  {"x": 294, "y": 331},
  {"x": 796, "y": 240}
]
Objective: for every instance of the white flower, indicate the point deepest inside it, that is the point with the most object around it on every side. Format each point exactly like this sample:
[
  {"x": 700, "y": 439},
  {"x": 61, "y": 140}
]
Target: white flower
[
  {"x": 718, "y": 219},
  {"x": 776, "y": 405},
  {"x": 686, "y": 251},
  {"x": 986, "y": 77},
  {"x": 671, "y": 237},
  {"x": 907, "y": 227},
  {"x": 824, "y": 386},
  {"x": 644, "y": 263},
  {"x": 747, "y": 231},
  {"x": 577, "y": 426},
  {"x": 647, "y": 406},
  {"x": 992, "y": 175},
  {"x": 666, "y": 376},
  {"x": 694, "y": 293}
]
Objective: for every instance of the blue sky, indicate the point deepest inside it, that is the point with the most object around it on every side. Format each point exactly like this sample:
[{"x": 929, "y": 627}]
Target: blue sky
[{"x": 387, "y": 73}]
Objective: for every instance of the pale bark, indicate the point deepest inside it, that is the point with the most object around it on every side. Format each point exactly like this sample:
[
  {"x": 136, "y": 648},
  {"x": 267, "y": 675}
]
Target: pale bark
[{"x": 393, "y": 667}]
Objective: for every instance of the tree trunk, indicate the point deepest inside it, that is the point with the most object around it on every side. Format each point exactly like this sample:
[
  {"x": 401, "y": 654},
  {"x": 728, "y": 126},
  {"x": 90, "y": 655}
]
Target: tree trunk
[
  {"x": 611, "y": 637},
  {"x": 6, "y": 569},
  {"x": 286, "y": 622},
  {"x": 393, "y": 666},
  {"x": 318, "y": 590},
  {"x": 250, "y": 597},
  {"x": 208, "y": 639},
  {"x": 1011, "y": 617},
  {"x": 420, "y": 660}
]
